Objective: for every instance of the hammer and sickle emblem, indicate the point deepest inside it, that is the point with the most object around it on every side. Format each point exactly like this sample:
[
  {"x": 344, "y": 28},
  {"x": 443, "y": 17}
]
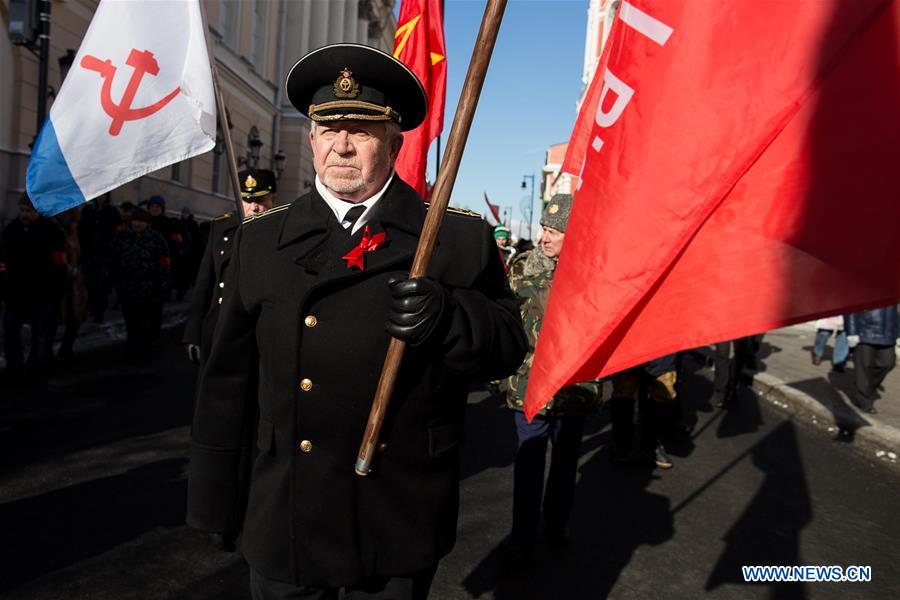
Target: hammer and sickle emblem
[{"x": 142, "y": 62}]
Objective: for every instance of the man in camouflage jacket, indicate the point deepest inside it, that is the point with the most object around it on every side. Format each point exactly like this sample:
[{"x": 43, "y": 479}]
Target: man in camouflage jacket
[{"x": 562, "y": 420}]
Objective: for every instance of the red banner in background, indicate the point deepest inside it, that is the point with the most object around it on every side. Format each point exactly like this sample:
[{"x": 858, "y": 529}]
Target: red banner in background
[
  {"x": 494, "y": 208},
  {"x": 739, "y": 174},
  {"x": 419, "y": 44}
]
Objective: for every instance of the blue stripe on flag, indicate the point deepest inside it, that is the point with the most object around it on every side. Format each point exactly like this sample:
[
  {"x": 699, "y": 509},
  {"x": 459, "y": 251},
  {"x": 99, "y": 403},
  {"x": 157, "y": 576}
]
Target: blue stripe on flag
[{"x": 48, "y": 179}]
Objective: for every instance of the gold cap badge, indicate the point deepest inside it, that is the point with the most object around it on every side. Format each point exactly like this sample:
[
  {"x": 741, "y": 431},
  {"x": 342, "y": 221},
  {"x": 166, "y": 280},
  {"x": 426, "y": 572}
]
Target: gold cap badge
[
  {"x": 553, "y": 209},
  {"x": 250, "y": 182},
  {"x": 345, "y": 86}
]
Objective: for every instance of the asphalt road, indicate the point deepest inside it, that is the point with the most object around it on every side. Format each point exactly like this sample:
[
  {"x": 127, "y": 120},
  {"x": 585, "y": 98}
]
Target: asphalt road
[{"x": 92, "y": 489}]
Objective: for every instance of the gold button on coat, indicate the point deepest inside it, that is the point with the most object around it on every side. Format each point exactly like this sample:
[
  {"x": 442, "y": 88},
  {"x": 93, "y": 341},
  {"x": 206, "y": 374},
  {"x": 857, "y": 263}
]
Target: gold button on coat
[
  {"x": 310, "y": 321},
  {"x": 220, "y": 300},
  {"x": 305, "y": 385},
  {"x": 221, "y": 284},
  {"x": 225, "y": 238},
  {"x": 305, "y": 446},
  {"x": 221, "y": 252}
]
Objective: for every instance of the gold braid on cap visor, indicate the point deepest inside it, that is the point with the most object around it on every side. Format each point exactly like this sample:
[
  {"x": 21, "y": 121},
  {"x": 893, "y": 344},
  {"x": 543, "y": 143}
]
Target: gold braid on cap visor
[
  {"x": 384, "y": 113},
  {"x": 249, "y": 196}
]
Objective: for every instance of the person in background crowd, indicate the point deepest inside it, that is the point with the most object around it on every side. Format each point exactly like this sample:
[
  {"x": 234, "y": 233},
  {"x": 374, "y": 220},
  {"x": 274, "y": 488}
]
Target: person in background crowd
[
  {"x": 730, "y": 359},
  {"x": 172, "y": 231},
  {"x": 561, "y": 421},
  {"x": 73, "y": 308},
  {"x": 36, "y": 273},
  {"x": 874, "y": 356},
  {"x": 126, "y": 209},
  {"x": 652, "y": 385},
  {"x": 825, "y": 328},
  {"x": 99, "y": 222},
  {"x": 502, "y": 236},
  {"x": 258, "y": 194},
  {"x": 186, "y": 269},
  {"x": 141, "y": 271}
]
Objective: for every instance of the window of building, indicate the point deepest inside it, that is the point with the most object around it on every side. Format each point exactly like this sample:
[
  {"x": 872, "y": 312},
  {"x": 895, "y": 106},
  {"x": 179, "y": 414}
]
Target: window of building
[
  {"x": 230, "y": 22},
  {"x": 181, "y": 172},
  {"x": 258, "y": 33}
]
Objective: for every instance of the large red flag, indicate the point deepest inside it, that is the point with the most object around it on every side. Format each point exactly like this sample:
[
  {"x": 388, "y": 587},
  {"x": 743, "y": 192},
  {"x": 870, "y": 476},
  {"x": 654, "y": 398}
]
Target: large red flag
[
  {"x": 419, "y": 44},
  {"x": 740, "y": 174}
]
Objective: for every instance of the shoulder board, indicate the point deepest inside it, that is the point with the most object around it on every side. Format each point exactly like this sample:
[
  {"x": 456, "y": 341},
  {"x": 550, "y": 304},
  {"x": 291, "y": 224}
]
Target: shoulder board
[
  {"x": 271, "y": 211},
  {"x": 225, "y": 216},
  {"x": 458, "y": 211}
]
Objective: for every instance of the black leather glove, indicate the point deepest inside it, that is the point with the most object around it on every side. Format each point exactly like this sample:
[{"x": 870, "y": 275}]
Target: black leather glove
[
  {"x": 416, "y": 308},
  {"x": 221, "y": 541}
]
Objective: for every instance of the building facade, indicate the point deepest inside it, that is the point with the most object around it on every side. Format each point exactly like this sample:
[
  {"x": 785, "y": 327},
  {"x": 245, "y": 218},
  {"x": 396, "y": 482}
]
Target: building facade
[
  {"x": 254, "y": 43},
  {"x": 601, "y": 14}
]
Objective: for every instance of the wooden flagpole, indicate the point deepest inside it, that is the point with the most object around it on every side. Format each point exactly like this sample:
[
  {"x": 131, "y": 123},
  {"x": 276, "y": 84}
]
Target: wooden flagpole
[
  {"x": 223, "y": 116},
  {"x": 459, "y": 133}
]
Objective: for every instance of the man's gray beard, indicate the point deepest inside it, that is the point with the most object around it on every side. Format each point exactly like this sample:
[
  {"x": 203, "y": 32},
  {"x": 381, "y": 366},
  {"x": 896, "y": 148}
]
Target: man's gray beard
[{"x": 344, "y": 186}]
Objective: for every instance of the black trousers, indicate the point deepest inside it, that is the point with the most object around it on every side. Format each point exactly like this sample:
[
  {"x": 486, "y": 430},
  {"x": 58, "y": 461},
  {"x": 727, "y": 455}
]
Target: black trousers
[
  {"x": 528, "y": 486},
  {"x": 410, "y": 587},
  {"x": 42, "y": 319},
  {"x": 729, "y": 366},
  {"x": 142, "y": 321},
  {"x": 97, "y": 283},
  {"x": 872, "y": 364},
  {"x": 651, "y": 418}
]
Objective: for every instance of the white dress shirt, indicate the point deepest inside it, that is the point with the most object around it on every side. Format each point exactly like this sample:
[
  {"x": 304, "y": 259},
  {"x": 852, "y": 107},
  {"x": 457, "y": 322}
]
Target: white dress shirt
[{"x": 340, "y": 208}]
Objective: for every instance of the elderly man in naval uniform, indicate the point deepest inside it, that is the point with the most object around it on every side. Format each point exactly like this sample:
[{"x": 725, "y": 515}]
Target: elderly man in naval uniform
[{"x": 317, "y": 289}]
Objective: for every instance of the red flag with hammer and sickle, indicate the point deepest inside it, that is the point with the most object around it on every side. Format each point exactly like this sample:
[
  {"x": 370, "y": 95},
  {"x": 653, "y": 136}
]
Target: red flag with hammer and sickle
[{"x": 419, "y": 44}]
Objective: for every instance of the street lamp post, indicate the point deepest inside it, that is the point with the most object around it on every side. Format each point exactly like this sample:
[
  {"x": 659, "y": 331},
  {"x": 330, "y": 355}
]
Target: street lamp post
[
  {"x": 279, "y": 159},
  {"x": 531, "y": 206}
]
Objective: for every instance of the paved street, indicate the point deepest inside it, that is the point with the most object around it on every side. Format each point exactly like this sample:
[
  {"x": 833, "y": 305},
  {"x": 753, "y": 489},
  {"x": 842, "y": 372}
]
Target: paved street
[{"x": 92, "y": 488}]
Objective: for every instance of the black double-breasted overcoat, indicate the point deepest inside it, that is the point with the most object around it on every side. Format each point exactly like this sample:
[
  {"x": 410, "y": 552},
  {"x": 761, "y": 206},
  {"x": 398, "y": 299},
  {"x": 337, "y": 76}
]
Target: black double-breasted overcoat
[
  {"x": 307, "y": 334},
  {"x": 209, "y": 288}
]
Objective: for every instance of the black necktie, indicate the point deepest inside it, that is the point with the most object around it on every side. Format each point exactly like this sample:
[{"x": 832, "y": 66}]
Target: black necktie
[{"x": 352, "y": 215}]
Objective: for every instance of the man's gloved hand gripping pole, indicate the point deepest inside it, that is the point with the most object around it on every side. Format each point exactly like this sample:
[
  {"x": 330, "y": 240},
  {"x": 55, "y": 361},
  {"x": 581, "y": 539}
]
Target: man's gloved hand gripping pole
[{"x": 417, "y": 293}]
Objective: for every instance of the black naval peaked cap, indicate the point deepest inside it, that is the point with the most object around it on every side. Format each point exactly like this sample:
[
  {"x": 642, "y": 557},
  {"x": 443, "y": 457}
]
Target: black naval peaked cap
[
  {"x": 256, "y": 183},
  {"x": 351, "y": 82}
]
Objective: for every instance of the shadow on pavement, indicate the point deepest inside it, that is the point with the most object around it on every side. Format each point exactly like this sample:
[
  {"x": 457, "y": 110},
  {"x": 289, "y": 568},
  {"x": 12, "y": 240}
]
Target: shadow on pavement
[
  {"x": 825, "y": 392},
  {"x": 743, "y": 416},
  {"x": 51, "y": 531},
  {"x": 101, "y": 398},
  {"x": 614, "y": 515},
  {"x": 765, "y": 351},
  {"x": 490, "y": 436},
  {"x": 768, "y": 532}
]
